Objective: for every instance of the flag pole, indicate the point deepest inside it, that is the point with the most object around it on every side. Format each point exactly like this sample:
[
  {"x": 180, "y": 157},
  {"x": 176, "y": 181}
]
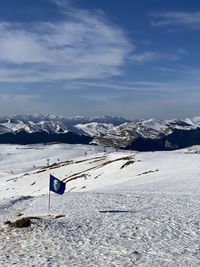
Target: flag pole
[{"x": 49, "y": 203}]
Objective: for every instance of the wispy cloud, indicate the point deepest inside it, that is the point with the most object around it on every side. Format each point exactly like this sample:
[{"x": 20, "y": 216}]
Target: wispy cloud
[
  {"x": 85, "y": 45},
  {"x": 150, "y": 56},
  {"x": 178, "y": 19},
  {"x": 139, "y": 86},
  {"x": 164, "y": 69}
]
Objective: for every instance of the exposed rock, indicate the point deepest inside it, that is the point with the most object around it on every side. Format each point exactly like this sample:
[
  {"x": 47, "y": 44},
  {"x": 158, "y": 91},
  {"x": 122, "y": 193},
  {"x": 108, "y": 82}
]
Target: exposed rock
[
  {"x": 59, "y": 216},
  {"x": 7, "y": 222},
  {"x": 19, "y": 214},
  {"x": 24, "y": 222}
]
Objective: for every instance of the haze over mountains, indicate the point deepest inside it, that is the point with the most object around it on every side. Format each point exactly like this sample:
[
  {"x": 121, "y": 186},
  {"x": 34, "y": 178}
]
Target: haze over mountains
[{"x": 143, "y": 135}]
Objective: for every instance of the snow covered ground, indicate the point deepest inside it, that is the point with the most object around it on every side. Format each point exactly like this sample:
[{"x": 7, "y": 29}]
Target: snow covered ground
[{"x": 119, "y": 209}]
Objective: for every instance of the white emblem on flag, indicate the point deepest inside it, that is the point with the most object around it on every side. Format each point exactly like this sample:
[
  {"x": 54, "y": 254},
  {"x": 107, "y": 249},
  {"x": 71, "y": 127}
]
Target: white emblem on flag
[{"x": 56, "y": 185}]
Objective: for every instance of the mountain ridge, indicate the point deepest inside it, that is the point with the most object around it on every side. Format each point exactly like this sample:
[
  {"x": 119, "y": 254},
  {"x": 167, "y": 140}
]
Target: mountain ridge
[{"x": 143, "y": 135}]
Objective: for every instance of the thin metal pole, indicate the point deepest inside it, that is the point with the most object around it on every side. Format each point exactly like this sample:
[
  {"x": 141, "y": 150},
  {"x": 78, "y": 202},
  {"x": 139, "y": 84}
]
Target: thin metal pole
[{"x": 49, "y": 203}]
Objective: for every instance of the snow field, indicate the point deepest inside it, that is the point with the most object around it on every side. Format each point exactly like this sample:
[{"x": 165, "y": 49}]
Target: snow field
[{"x": 119, "y": 209}]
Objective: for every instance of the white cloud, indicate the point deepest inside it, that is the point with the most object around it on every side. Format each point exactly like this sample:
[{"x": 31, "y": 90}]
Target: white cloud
[
  {"x": 185, "y": 19},
  {"x": 85, "y": 45},
  {"x": 150, "y": 56},
  {"x": 17, "y": 47},
  {"x": 144, "y": 57},
  {"x": 139, "y": 86},
  {"x": 164, "y": 69}
]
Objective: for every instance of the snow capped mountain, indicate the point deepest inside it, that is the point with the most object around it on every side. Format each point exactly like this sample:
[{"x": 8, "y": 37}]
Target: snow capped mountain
[
  {"x": 95, "y": 128},
  {"x": 4, "y": 129},
  {"x": 153, "y": 134},
  {"x": 30, "y": 126},
  {"x": 148, "y": 134},
  {"x": 52, "y": 123},
  {"x": 152, "y": 128}
]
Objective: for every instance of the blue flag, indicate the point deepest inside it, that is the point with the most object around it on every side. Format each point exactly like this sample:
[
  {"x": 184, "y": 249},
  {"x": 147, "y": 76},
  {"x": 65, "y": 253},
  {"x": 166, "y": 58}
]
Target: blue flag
[{"x": 56, "y": 185}]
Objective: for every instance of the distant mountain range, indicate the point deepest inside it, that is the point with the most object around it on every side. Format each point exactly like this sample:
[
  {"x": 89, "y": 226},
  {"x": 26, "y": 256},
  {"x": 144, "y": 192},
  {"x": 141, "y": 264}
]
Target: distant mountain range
[{"x": 144, "y": 135}]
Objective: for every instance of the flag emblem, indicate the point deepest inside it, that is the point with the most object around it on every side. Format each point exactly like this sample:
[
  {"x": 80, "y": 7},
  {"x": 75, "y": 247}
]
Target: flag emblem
[{"x": 56, "y": 185}]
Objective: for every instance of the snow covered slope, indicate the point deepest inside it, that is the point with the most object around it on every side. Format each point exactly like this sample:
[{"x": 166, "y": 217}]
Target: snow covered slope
[
  {"x": 86, "y": 169},
  {"x": 119, "y": 209},
  {"x": 95, "y": 128}
]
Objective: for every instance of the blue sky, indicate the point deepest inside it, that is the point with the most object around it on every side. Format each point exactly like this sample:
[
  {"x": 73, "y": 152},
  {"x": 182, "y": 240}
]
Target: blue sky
[{"x": 130, "y": 58}]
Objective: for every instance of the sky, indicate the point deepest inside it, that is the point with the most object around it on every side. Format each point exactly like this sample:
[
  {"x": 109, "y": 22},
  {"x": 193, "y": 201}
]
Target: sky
[{"x": 131, "y": 58}]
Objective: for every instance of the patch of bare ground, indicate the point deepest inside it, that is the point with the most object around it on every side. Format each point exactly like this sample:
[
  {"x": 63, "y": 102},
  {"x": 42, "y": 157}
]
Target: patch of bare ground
[
  {"x": 84, "y": 173},
  {"x": 59, "y": 216},
  {"x": 97, "y": 176},
  {"x": 23, "y": 222},
  {"x": 143, "y": 173},
  {"x": 57, "y": 165},
  {"x": 98, "y": 158},
  {"x": 127, "y": 163},
  {"x": 76, "y": 176},
  {"x": 39, "y": 171},
  {"x": 71, "y": 189}
]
